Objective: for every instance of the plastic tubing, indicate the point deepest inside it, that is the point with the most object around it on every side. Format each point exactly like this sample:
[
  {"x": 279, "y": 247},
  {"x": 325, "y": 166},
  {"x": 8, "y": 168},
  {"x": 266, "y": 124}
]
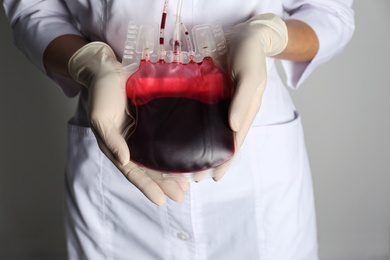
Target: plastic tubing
[
  {"x": 191, "y": 52},
  {"x": 161, "y": 51},
  {"x": 177, "y": 34}
]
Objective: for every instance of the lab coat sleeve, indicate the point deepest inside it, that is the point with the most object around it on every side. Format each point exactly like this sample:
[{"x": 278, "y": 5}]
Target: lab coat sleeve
[
  {"x": 333, "y": 23},
  {"x": 35, "y": 24}
]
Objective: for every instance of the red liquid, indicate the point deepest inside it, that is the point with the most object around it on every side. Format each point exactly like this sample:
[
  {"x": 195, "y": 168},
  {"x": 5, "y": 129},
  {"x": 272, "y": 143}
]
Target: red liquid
[
  {"x": 203, "y": 82},
  {"x": 182, "y": 116},
  {"x": 181, "y": 135},
  {"x": 162, "y": 27},
  {"x": 163, "y": 19}
]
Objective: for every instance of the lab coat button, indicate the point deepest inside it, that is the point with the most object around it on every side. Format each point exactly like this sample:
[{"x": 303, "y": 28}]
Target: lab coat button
[{"x": 182, "y": 236}]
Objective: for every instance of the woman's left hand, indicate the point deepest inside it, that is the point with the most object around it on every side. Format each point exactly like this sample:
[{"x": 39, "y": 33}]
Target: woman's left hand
[{"x": 249, "y": 43}]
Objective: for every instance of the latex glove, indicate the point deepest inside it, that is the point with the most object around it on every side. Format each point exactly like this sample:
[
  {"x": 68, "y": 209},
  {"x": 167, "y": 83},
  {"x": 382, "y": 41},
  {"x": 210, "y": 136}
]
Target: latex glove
[
  {"x": 96, "y": 67},
  {"x": 249, "y": 43}
]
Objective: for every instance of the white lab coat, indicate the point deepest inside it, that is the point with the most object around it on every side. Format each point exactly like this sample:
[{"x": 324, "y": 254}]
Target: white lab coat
[{"x": 262, "y": 209}]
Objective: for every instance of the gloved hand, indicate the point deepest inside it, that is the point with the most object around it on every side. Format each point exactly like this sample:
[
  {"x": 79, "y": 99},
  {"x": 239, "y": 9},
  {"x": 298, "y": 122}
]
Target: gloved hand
[
  {"x": 96, "y": 67},
  {"x": 249, "y": 43}
]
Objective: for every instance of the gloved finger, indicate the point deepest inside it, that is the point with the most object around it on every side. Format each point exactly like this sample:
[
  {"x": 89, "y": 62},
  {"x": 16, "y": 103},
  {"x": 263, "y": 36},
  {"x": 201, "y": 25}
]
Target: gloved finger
[
  {"x": 137, "y": 177},
  {"x": 172, "y": 189},
  {"x": 201, "y": 175},
  {"x": 184, "y": 185},
  {"x": 144, "y": 183},
  {"x": 221, "y": 170},
  {"x": 169, "y": 185},
  {"x": 128, "y": 125},
  {"x": 247, "y": 88},
  {"x": 108, "y": 133},
  {"x": 253, "y": 107}
]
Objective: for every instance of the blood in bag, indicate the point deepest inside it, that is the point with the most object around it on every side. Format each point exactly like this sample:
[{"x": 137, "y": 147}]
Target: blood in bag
[
  {"x": 181, "y": 116},
  {"x": 179, "y": 99}
]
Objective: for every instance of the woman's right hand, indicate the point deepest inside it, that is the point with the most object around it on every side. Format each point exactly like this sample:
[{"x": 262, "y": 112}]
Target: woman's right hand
[{"x": 95, "y": 66}]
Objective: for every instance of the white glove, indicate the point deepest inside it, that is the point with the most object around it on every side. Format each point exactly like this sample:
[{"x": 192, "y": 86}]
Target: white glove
[
  {"x": 96, "y": 67},
  {"x": 249, "y": 43}
]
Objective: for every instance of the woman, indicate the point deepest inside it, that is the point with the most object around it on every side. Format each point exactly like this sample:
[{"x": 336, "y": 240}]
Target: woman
[{"x": 263, "y": 208}]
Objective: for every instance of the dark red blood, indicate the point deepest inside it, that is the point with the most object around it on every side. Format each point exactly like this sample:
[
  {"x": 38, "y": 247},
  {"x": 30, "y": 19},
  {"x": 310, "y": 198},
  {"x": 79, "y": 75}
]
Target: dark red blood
[
  {"x": 181, "y": 135},
  {"x": 177, "y": 43},
  {"x": 163, "y": 19}
]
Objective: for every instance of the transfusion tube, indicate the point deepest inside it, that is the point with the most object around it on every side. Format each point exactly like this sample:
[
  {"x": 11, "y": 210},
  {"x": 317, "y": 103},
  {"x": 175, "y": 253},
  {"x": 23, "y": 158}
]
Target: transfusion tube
[
  {"x": 177, "y": 34},
  {"x": 191, "y": 52},
  {"x": 161, "y": 51}
]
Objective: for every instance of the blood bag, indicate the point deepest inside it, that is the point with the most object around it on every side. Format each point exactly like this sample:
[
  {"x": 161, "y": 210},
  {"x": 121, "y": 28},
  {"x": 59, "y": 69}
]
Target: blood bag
[{"x": 180, "y": 101}]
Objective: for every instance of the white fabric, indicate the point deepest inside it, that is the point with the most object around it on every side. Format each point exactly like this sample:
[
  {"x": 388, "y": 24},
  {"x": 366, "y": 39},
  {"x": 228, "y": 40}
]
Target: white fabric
[
  {"x": 35, "y": 24},
  {"x": 263, "y": 208},
  {"x": 336, "y": 17}
]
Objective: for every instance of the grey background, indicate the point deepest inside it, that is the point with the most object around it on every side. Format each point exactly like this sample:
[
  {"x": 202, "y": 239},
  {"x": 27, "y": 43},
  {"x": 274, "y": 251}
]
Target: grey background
[{"x": 345, "y": 111}]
